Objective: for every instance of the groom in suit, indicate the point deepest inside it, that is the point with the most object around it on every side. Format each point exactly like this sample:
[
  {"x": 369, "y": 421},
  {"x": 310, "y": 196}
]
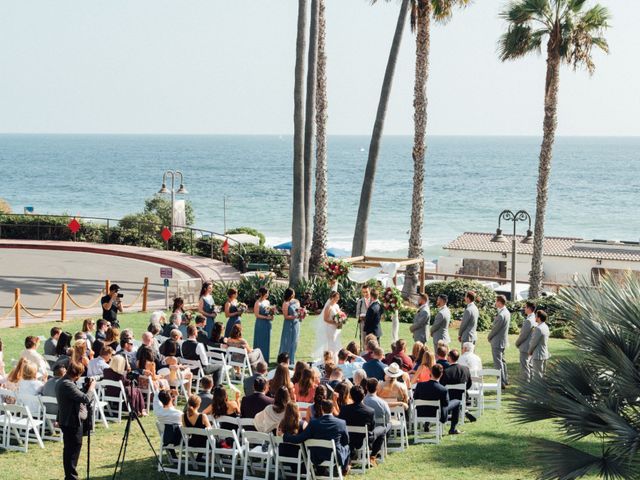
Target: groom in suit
[{"x": 373, "y": 316}]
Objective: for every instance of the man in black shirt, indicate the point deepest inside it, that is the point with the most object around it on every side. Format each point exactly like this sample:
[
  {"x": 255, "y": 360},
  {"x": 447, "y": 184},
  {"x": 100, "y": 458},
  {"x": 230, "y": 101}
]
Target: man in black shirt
[{"x": 111, "y": 305}]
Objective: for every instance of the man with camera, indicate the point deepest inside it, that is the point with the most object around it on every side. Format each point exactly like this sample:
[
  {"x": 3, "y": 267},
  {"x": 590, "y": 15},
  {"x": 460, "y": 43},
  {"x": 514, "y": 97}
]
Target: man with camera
[
  {"x": 73, "y": 411},
  {"x": 111, "y": 305}
]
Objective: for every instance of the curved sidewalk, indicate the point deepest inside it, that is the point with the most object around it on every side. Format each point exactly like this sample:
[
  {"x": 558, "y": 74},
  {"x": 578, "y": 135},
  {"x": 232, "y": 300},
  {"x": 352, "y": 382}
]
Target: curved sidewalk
[{"x": 198, "y": 267}]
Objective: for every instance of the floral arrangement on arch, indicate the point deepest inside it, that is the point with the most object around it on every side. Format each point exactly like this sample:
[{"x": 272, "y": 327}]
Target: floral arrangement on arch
[
  {"x": 335, "y": 269},
  {"x": 391, "y": 299}
]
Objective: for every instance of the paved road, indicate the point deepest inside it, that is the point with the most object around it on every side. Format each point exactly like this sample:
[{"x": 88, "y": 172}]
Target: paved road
[{"x": 40, "y": 273}]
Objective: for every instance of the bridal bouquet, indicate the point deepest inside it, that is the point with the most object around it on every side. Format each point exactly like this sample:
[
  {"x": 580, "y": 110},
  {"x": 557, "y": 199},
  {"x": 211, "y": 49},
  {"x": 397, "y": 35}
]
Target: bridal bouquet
[
  {"x": 271, "y": 310},
  {"x": 340, "y": 319},
  {"x": 391, "y": 299},
  {"x": 302, "y": 313},
  {"x": 242, "y": 307},
  {"x": 335, "y": 269}
]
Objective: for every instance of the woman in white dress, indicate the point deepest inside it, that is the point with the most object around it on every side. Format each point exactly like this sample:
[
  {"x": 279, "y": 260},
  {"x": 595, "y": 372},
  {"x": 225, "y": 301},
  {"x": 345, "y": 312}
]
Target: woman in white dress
[{"x": 328, "y": 338}]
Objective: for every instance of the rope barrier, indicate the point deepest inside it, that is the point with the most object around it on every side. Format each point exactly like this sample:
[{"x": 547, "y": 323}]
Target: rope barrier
[
  {"x": 85, "y": 306},
  {"x": 41, "y": 315},
  {"x": 10, "y": 311},
  {"x": 135, "y": 300}
]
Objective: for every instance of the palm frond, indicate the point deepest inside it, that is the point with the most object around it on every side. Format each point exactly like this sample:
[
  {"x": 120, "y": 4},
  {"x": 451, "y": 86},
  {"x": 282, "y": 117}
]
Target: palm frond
[
  {"x": 523, "y": 11},
  {"x": 518, "y": 41}
]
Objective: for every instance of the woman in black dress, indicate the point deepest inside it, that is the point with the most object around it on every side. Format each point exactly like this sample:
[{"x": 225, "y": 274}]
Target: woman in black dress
[{"x": 193, "y": 419}]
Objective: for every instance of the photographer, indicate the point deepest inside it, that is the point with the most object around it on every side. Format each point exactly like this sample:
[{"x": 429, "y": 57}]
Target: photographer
[
  {"x": 111, "y": 305},
  {"x": 73, "y": 410}
]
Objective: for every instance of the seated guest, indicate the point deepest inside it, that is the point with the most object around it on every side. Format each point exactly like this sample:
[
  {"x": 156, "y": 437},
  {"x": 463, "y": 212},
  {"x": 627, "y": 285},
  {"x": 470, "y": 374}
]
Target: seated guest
[
  {"x": 79, "y": 354},
  {"x": 194, "y": 418},
  {"x": 49, "y": 389},
  {"x": 259, "y": 372},
  {"x": 469, "y": 359},
  {"x": 399, "y": 355},
  {"x": 171, "y": 361},
  {"x": 357, "y": 414},
  {"x": 322, "y": 393},
  {"x": 112, "y": 338},
  {"x": 117, "y": 372},
  {"x": 298, "y": 370},
  {"x": 235, "y": 340},
  {"x": 203, "y": 336},
  {"x": 50, "y": 344},
  {"x": 341, "y": 395},
  {"x": 371, "y": 343},
  {"x": 371, "y": 399},
  {"x": 192, "y": 350},
  {"x": 281, "y": 379},
  {"x": 100, "y": 364},
  {"x": 206, "y": 397},
  {"x": 222, "y": 406},
  {"x": 175, "y": 339},
  {"x": 375, "y": 367},
  {"x": 12, "y": 381},
  {"x": 31, "y": 354},
  {"x": 29, "y": 385},
  {"x": 88, "y": 326},
  {"x": 360, "y": 378},
  {"x": 257, "y": 401},
  {"x": 416, "y": 354},
  {"x": 175, "y": 320},
  {"x": 348, "y": 362},
  {"x": 326, "y": 427},
  {"x": 335, "y": 377},
  {"x": 423, "y": 372},
  {"x": 456, "y": 374},
  {"x": 268, "y": 419},
  {"x": 282, "y": 359},
  {"x": 441, "y": 356},
  {"x": 168, "y": 416},
  {"x": 102, "y": 326},
  {"x": 150, "y": 342},
  {"x": 63, "y": 350},
  {"x": 291, "y": 424},
  {"x": 148, "y": 367},
  {"x": 393, "y": 391},
  {"x": 306, "y": 388},
  {"x": 158, "y": 318},
  {"x": 218, "y": 340},
  {"x": 433, "y": 390},
  {"x": 127, "y": 351},
  {"x": 154, "y": 331},
  {"x": 352, "y": 348}
]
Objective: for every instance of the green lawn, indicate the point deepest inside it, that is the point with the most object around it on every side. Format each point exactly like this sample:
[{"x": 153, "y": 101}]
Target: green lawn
[{"x": 491, "y": 449}]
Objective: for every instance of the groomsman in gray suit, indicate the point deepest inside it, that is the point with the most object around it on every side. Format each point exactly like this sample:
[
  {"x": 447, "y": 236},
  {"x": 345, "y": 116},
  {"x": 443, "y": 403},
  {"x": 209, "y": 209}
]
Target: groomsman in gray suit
[
  {"x": 499, "y": 338},
  {"x": 523, "y": 340},
  {"x": 440, "y": 327},
  {"x": 469, "y": 323},
  {"x": 538, "y": 347},
  {"x": 420, "y": 326}
]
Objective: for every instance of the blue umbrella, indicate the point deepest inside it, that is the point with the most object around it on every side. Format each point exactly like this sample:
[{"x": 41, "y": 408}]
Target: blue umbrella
[
  {"x": 284, "y": 246},
  {"x": 332, "y": 252}
]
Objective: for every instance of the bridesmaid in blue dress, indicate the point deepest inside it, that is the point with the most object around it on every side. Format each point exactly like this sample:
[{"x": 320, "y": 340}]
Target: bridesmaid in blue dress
[
  {"x": 264, "y": 319},
  {"x": 206, "y": 307},
  {"x": 231, "y": 311},
  {"x": 291, "y": 327}
]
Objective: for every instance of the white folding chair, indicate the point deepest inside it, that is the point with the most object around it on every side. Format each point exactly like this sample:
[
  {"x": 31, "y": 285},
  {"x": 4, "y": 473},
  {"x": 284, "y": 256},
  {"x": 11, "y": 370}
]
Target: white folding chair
[
  {"x": 360, "y": 456},
  {"x": 225, "y": 460},
  {"x": 332, "y": 465},
  {"x": 49, "y": 430},
  {"x": 22, "y": 427},
  {"x": 398, "y": 439},
  {"x": 476, "y": 396},
  {"x": 196, "y": 368},
  {"x": 461, "y": 391},
  {"x": 148, "y": 392},
  {"x": 287, "y": 466},
  {"x": 218, "y": 357},
  {"x": 258, "y": 455},
  {"x": 33, "y": 403},
  {"x": 192, "y": 464},
  {"x": 173, "y": 452},
  {"x": 494, "y": 385},
  {"x": 420, "y": 422},
  {"x": 238, "y": 358},
  {"x": 119, "y": 399}
]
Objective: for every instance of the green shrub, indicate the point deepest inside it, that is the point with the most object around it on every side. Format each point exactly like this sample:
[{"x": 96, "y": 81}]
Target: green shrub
[
  {"x": 248, "y": 231},
  {"x": 406, "y": 314},
  {"x": 240, "y": 257},
  {"x": 485, "y": 319},
  {"x": 457, "y": 289}
]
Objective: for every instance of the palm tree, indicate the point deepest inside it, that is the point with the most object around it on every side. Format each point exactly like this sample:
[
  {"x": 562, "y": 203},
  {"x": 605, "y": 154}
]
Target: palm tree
[
  {"x": 319, "y": 245},
  {"x": 309, "y": 130},
  {"x": 298, "y": 224},
  {"x": 594, "y": 393},
  {"x": 421, "y": 12},
  {"x": 359, "y": 246},
  {"x": 571, "y": 32}
]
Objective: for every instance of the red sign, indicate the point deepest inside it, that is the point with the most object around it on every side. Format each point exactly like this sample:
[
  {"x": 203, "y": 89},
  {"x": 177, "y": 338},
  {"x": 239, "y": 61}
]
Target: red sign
[
  {"x": 166, "y": 234},
  {"x": 225, "y": 246},
  {"x": 74, "y": 226}
]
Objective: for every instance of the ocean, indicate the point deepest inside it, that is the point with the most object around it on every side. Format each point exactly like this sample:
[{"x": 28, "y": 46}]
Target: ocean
[{"x": 594, "y": 190}]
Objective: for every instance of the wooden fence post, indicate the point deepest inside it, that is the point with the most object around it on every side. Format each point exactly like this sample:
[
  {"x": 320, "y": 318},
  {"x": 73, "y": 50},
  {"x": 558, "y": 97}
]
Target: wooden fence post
[
  {"x": 107, "y": 284},
  {"x": 422, "y": 272},
  {"x": 63, "y": 303},
  {"x": 18, "y": 307},
  {"x": 145, "y": 291}
]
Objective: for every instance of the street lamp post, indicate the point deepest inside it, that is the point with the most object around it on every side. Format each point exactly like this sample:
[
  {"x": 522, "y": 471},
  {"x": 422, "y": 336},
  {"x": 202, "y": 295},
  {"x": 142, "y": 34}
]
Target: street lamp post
[
  {"x": 519, "y": 216},
  {"x": 181, "y": 190}
]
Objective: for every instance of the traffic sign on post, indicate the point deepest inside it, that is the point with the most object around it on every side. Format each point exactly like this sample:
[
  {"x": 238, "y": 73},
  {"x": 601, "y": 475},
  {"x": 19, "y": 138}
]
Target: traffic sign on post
[
  {"x": 166, "y": 283},
  {"x": 166, "y": 272}
]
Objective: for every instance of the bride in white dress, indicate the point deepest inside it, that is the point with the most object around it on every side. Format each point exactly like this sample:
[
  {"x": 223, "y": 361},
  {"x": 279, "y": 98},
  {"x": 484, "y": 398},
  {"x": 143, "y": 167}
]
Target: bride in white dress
[{"x": 328, "y": 333}]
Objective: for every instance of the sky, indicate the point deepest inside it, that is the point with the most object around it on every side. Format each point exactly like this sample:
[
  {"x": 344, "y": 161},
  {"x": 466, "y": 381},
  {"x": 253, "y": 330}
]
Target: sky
[{"x": 227, "y": 67}]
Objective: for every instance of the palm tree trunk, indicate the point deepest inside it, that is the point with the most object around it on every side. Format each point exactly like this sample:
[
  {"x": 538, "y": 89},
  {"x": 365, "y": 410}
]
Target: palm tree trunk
[
  {"x": 309, "y": 131},
  {"x": 359, "y": 245},
  {"x": 420, "y": 128},
  {"x": 296, "y": 268},
  {"x": 319, "y": 245},
  {"x": 550, "y": 124}
]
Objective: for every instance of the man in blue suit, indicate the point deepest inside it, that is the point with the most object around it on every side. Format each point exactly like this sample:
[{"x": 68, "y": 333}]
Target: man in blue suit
[
  {"x": 433, "y": 390},
  {"x": 373, "y": 316},
  {"x": 327, "y": 427}
]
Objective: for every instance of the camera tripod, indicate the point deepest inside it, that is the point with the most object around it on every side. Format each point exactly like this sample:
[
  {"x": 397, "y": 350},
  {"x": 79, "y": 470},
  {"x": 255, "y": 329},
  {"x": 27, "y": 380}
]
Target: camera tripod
[{"x": 125, "y": 438}]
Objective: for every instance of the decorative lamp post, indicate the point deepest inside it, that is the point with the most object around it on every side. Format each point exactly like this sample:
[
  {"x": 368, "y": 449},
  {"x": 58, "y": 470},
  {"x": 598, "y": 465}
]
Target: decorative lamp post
[
  {"x": 519, "y": 216},
  {"x": 181, "y": 190}
]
